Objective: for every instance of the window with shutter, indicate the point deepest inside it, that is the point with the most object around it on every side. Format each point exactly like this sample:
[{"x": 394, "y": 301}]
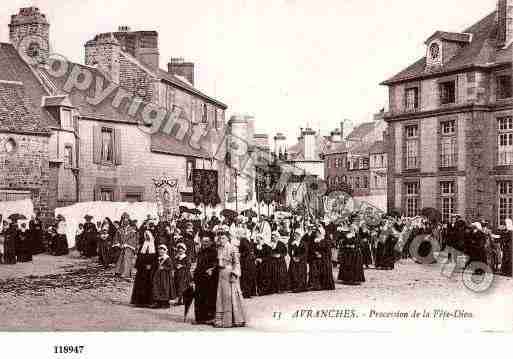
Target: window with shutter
[
  {"x": 97, "y": 144},
  {"x": 117, "y": 146}
]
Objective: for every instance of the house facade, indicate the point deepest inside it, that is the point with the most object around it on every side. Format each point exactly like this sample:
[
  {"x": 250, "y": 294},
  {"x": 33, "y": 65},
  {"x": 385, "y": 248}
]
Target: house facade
[
  {"x": 85, "y": 126},
  {"x": 450, "y": 124}
]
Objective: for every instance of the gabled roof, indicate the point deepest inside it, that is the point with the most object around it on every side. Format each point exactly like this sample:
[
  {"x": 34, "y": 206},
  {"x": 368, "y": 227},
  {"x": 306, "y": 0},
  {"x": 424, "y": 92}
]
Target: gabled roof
[
  {"x": 362, "y": 149},
  {"x": 377, "y": 147},
  {"x": 336, "y": 148},
  {"x": 361, "y": 131},
  {"x": 166, "y": 76},
  {"x": 482, "y": 51},
  {"x": 450, "y": 36},
  {"x": 20, "y": 96},
  {"x": 105, "y": 111}
]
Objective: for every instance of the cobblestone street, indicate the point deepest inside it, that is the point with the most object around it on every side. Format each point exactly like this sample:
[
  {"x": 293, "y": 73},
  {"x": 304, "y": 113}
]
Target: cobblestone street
[{"x": 73, "y": 294}]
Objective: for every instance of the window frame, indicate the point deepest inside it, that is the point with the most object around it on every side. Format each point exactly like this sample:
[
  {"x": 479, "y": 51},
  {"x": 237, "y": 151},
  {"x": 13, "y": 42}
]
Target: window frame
[
  {"x": 70, "y": 162},
  {"x": 444, "y": 99},
  {"x": 505, "y": 135},
  {"x": 413, "y": 197},
  {"x": 112, "y": 161},
  {"x": 499, "y": 93},
  {"x": 504, "y": 196}
]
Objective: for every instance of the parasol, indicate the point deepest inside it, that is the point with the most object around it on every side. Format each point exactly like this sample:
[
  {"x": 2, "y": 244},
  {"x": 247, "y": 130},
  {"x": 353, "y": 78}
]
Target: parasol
[
  {"x": 17, "y": 217},
  {"x": 188, "y": 298},
  {"x": 249, "y": 213},
  {"x": 228, "y": 213}
]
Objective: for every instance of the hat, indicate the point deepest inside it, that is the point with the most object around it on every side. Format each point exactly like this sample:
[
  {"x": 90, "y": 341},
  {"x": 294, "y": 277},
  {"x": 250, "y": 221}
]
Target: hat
[
  {"x": 477, "y": 225},
  {"x": 87, "y": 217},
  {"x": 181, "y": 245}
]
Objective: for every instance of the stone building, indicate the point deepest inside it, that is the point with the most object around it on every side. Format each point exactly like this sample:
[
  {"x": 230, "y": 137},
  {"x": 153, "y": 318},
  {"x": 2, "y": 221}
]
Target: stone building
[
  {"x": 86, "y": 126},
  {"x": 450, "y": 124},
  {"x": 357, "y": 163}
]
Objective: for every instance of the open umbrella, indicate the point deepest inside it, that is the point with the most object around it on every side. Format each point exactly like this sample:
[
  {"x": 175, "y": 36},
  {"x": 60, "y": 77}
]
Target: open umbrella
[
  {"x": 183, "y": 209},
  {"x": 17, "y": 217},
  {"x": 432, "y": 214},
  {"x": 249, "y": 213},
  {"x": 194, "y": 211},
  {"x": 229, "y": 213},
  {"x": 188, "y": 298}
]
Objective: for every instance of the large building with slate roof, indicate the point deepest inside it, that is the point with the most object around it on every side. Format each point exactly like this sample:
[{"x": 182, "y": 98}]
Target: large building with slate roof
[{"x": 450, "y": 118}]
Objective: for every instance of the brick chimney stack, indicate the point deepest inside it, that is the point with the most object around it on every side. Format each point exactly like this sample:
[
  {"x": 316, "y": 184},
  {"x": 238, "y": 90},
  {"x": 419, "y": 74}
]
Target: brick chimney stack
[
  {"x": 178, "y": 67},
  {"x": 30, "y": 29},
  {"x": 505, "y": 22}
]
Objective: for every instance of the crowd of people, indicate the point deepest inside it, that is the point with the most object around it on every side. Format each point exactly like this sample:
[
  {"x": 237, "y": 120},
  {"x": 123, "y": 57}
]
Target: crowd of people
[{"x": 218, "y": 261}]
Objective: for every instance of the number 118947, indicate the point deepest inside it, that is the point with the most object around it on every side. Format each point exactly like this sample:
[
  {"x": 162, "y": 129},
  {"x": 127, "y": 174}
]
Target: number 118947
[{"x": 68, "y": 349}]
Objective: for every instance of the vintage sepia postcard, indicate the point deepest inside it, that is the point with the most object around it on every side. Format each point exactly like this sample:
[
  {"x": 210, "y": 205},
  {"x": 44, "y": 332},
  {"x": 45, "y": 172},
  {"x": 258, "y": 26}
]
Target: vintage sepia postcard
[{"x": 256, "y": 166}]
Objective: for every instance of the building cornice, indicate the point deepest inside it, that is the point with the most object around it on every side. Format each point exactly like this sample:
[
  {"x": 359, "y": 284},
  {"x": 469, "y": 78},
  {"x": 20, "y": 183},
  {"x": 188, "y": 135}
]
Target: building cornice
[{"x": 491, "y": 107}]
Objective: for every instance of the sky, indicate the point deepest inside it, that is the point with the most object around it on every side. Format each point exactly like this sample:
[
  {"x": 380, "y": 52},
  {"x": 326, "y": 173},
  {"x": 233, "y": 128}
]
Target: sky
[{"x": 289, "y": 63}]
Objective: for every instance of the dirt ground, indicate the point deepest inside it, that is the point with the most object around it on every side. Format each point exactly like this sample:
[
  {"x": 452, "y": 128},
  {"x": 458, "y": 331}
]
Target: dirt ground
[{"x": 72, "y": 294}]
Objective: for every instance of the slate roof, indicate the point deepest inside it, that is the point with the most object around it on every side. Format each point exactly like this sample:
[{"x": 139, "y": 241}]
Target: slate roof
[
  {"x": 164, "y": 75},
  {"x": 105, "y": 111},
  {"x": 377, "y": 147},
  {"x": 361, "y": 131},
  {"x": 20, "y": 96},
  {"x": 481, "y": 51},
  {"x": 336, "y": 148}
]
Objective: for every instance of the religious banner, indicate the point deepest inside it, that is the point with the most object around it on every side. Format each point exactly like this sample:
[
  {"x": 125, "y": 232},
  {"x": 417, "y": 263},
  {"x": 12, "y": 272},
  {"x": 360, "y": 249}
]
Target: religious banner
[
  {"x": 205, "y": 187},
  {"x": 168, "y": 198}
]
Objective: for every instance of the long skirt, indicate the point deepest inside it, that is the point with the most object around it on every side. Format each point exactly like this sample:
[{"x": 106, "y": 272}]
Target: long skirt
[
  {"x": 24, "y": 251},
  {"x": 163, "y": 286},
  {"x": 366, "y": 253},
  {"x": 205, "y": 297},
  {"x": 125, "y": 263},
  {"x": 274, "y": 276},
  {"x": 142, "y": 293},
  {"x": 321, "y": 275},
  {"x": 380, "y": 249},
  {"x": 229, "y": 307},
  {"x": 248, "y": 277},
  {"x": 351, "y": 270},
  {"x": 104, "y": 252},
  {"x": 61, "y": 245},
  {"x": 10, "y": 251},
  {"x": 182, "y": 281},
  {"x": 389, "y": 255},
  {"x": 298, "y": 275}
]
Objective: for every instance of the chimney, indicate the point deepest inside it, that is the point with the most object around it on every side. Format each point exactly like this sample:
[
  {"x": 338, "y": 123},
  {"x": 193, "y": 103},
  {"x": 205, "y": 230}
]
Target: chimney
[
  {"x": 147, "y": 48},
  {"x": 335, "y": 136},
  {"x": 280, "y": 144},
  {"x": 505, "y": 22},
  {"x": 178, "y": 67},
  {"x": 29, "y": 33},
  {"x": 309, "y": 144},
  {"x": 342, "y": 130}
]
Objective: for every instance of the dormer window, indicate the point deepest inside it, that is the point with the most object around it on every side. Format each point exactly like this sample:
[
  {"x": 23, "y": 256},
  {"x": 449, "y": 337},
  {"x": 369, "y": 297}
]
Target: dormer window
[
  {"x": 434, "y": 51},
  {"x": 66, "y": 118}
]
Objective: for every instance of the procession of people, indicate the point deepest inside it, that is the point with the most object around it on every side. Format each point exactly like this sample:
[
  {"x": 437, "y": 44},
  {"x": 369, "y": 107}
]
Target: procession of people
[{"x": 218, "y": 262}]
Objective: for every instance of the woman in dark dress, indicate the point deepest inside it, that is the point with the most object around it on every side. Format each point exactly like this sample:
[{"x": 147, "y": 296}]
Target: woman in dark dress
[
  {"x": 105, "y": 242},
  {"x": 506, "y": 246},
  {"x": 298, "y": 268},
  {"x": 321, "y": 268},
  {"x": 248, "y": 267},
  {"x": 10, "y": 240},
  {"x": 24, "y": 245},
  {"x": 146, "y": 263},
  {"x": 36, "y": 234},
  {"x": 182, "y": 272},
  {"x": 90, "y": 237},
  {"x": 163, "y": 282},
  {"x": 261, "y": 253},
  {"x": 351, "y": 267},
  {"x": 276, "y": 268},
  {"x": 206, "y": 280},
  {"x": 365, "y": 241}
]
